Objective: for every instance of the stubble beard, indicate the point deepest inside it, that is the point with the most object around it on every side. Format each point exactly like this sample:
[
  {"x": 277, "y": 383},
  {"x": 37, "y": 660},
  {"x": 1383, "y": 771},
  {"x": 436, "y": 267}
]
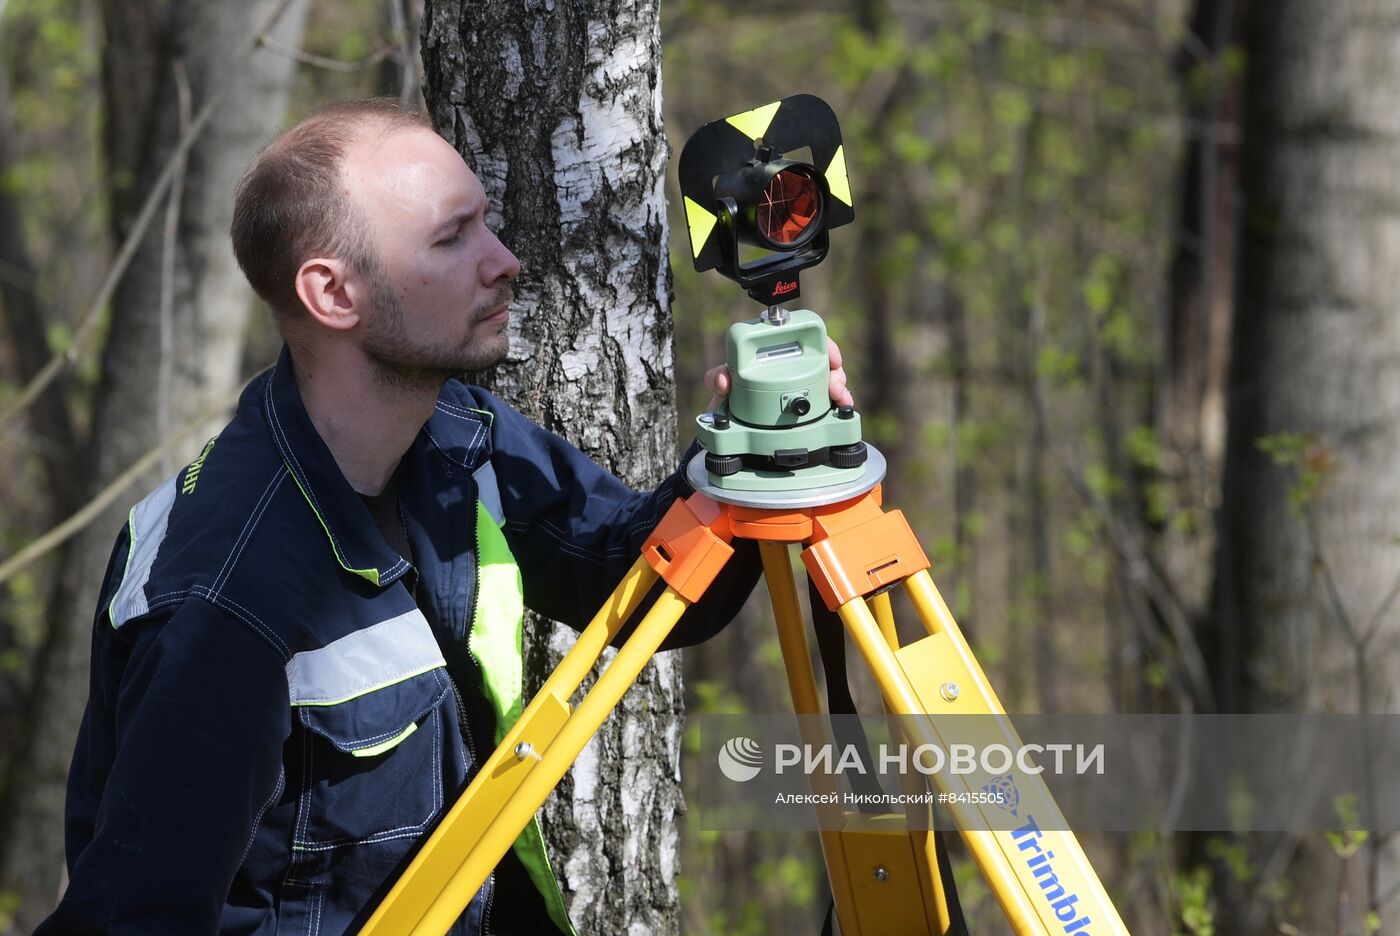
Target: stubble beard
[{"x": 401, "y": 363}]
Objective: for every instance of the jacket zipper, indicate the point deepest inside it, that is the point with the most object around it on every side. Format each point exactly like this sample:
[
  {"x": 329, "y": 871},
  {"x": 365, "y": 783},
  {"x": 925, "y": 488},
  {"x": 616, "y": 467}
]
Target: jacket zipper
[
  {"x": 490, "y": 897},
  {"x": 462, "y": 721},
  {"x": 471, "y": 655},
  {"x": 476, "y": 573}
]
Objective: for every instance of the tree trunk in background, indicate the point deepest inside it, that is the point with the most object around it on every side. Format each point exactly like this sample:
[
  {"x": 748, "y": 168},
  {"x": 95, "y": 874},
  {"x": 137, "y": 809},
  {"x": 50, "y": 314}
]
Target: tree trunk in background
[
  {"x": 151, "y": 385},
  {"x": 26, "y": 327},
  {"x": 556, "y": 105},
  {"x": 133, "y": 72},
  {"x": 1195, "y": 360},
  {"x": 1317, "y": 351}
]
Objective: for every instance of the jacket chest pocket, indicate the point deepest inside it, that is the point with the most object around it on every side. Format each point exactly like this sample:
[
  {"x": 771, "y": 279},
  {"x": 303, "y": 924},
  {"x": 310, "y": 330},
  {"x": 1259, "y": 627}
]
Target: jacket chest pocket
[{"x": 380, "y": 748}]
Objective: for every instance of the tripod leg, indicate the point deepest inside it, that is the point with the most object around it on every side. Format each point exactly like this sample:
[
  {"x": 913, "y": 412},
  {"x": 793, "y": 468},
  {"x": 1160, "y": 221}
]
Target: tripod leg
[
  {"x": 1006, "y": 857},
  {"x": 884, "y": 616},
  {"x": 900, "y": 694},
  {"x": 854, "y": 845},
  {"x": 797, "y": 660},
  {"x": 930, "y": 857},
  {"x": 422, "y": 891},
  {"x": 536, "y": 785},
  {"x": 856, "y": 552},
  {"x": 792, "y": 634}
]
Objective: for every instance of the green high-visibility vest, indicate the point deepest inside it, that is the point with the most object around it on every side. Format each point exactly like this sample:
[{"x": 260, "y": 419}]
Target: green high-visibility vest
[{"x": 496, "y": 642}]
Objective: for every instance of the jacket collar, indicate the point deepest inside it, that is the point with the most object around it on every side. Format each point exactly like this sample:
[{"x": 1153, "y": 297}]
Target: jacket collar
[{"x": 358, "y": 545}]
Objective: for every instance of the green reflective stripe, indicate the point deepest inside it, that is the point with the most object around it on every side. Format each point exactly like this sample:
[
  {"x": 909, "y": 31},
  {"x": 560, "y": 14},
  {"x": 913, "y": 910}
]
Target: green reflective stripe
[
  {"x": 126, "y": 566},
  {"x": 368, "y": 660},
  {"x": 495, "y": 641},
  {"x": 387, "y": 745},
  {"x": 495, "y": 638},
  {"x": 146, "y": 528},
  {"x": 529, "y": 848},
  {"x": 371, "y": 575}
]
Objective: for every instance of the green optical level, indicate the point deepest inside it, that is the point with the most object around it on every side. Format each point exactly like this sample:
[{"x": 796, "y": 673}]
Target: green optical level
[{"x": 762, "y": 189}]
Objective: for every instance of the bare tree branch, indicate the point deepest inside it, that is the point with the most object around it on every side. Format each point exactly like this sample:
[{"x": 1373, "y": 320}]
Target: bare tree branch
[
  {"x": 403, "y": 53},
  {"x": 321, "y": 61},
  {"x": 167, "y": 268}
]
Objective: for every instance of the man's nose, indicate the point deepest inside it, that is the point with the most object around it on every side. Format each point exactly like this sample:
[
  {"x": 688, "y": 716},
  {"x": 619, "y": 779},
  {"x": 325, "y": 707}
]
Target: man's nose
[{"x": 501, "y": 265}]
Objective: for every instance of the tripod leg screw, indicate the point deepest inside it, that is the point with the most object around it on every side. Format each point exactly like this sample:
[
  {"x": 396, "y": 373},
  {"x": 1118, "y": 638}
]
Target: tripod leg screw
[
  {"x": 525, "y": 749},
  {"x": 949, "y": 691},
  {"x": 881, "y": 874}
]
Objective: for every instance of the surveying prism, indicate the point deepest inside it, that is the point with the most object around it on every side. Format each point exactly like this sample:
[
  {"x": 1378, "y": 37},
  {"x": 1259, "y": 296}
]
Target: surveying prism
[
  {"x": 782, "y": 465},
  {"x": 777, "y": 430}
]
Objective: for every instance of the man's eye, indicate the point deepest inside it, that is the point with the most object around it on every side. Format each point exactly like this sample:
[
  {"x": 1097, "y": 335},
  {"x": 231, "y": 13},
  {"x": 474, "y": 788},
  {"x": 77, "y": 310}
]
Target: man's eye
[{"x": 449, "y": 241}]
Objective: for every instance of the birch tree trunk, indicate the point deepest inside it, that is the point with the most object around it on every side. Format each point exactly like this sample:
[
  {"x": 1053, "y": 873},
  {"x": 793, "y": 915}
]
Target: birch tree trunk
[
  {"x": 1307, "y": 592},
  {"x": 556, "y": 105},
  {"x": 176, "y": 338}
]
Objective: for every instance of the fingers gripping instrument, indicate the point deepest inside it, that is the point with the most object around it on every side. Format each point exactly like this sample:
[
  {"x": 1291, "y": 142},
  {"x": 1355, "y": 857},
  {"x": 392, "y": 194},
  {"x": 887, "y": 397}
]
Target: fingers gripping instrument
[{"x": 771, "y": 182}]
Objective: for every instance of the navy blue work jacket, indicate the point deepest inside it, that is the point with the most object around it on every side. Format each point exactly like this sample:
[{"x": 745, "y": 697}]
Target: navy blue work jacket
[{"x": 282, "y": 705}]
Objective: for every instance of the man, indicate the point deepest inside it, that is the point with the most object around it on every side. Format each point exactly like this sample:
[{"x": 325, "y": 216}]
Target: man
[{"x": 309, "y": 638}]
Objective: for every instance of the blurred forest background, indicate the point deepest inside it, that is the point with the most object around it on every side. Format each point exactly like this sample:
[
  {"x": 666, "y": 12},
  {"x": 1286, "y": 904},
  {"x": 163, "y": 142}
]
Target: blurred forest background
[{"x": 1118, "y": 305}]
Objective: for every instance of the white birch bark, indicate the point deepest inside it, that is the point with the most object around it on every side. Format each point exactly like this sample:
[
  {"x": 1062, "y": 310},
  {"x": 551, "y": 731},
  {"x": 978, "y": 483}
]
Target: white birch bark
[{"x": 557, "y": 107}]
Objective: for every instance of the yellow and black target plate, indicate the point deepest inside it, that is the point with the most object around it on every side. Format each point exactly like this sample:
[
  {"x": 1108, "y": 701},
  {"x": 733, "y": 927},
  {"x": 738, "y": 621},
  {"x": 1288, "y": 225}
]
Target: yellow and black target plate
[{"x": 722, "y": 146}]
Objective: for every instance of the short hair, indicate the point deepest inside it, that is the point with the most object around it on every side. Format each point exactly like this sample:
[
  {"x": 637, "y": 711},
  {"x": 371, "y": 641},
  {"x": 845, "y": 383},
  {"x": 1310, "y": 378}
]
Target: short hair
[{"x": 291, "y": 204}]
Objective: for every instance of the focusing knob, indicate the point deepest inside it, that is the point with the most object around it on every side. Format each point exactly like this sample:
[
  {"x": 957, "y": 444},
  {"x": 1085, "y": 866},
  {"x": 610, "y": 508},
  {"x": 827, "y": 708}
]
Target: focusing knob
[
  {"x": 725, "y": 465},
  {"x": 847, "y": 456},
  {"x": 800, "y": 406}
]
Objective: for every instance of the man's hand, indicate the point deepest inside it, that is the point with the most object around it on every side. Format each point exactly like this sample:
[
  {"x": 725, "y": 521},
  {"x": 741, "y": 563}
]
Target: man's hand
[{"x": 718, "y": 381}]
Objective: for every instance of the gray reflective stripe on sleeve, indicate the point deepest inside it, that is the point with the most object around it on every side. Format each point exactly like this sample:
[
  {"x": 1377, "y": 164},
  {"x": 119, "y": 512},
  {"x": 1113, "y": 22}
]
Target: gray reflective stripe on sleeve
[
  {"x": 489, "y": 493},
  {"x": 378, "y": 656},
  {"x": 146, "y": 528}
]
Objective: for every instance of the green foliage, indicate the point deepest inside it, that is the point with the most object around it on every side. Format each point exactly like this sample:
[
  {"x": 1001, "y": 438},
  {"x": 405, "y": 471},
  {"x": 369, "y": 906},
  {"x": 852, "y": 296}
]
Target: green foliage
[
  {"x": 797, "y": 878},
  {"x": 770, "y": 653},
  {"x": 1233, "y": 854},
  {"x": 716, "y": 697},
  {"x": 1310, "y": 462},
  {"x": 60, "y": 337},
  {"x": 1102, "y": 482},
  {"x": 1058, "y": 366},
  {"x": 1348, "y": 840},
  {"x": 9, "y": 905},
  {"x": 1193, "y": 894}
]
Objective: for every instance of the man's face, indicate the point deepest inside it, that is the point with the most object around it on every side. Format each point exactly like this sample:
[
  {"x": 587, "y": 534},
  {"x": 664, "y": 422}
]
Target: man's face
[{"x": 440, "y": 296}]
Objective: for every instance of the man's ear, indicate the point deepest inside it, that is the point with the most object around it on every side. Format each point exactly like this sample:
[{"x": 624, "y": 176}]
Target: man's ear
[{"x": 325, "y": 290}]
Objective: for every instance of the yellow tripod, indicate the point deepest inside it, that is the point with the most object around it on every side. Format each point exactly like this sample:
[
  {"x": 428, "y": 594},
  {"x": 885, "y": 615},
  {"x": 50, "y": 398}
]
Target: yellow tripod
[{"x": 884, "y": 877}]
